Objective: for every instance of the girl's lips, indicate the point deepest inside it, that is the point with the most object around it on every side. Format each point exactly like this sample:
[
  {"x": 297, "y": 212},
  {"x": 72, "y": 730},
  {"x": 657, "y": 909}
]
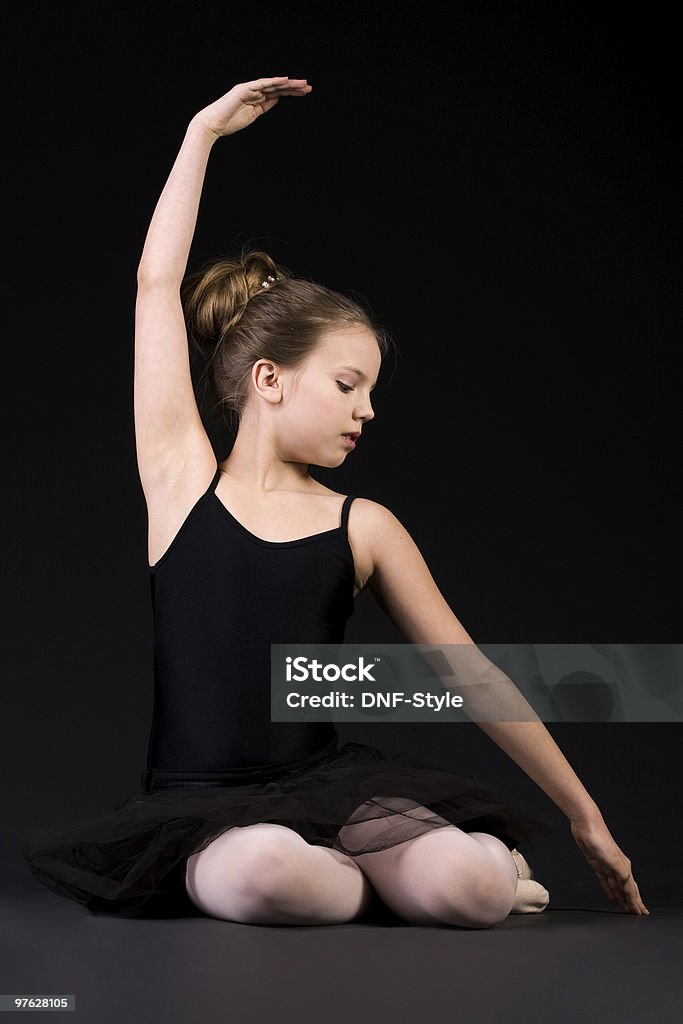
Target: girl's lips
[{"x": 348, "y": 441}]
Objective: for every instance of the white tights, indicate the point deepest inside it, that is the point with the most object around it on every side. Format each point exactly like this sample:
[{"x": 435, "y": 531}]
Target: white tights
[{"x": 268, "y": 874}]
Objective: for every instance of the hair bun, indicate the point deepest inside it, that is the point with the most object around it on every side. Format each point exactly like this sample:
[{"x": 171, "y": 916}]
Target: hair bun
[
  {"x": 215, "y": 297},
  {"x": 259, "y": 269}
]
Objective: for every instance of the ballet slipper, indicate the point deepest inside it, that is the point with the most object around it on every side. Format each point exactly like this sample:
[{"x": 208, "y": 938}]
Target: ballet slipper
[
  {"x": 524, "y": 869},
  {"x": 531, "y": 897}
]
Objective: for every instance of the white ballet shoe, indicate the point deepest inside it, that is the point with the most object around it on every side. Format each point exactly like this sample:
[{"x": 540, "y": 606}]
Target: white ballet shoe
[{"x": 531, "y": 897}]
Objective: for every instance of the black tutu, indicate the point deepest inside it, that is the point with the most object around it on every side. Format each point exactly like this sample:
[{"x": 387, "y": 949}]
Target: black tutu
[{"x": 132, "y": 860}]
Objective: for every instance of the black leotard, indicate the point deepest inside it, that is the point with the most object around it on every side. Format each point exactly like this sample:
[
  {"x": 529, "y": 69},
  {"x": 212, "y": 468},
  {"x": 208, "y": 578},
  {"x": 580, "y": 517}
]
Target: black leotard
[{"x": 221, "y": 596}]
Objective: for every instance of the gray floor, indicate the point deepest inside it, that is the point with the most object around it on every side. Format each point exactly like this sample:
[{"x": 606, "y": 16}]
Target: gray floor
[{"x": 581, "y": 959}]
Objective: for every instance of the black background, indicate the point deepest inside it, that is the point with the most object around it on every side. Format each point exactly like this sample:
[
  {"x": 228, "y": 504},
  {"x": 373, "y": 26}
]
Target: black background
[{"x": 498, "y": 180}]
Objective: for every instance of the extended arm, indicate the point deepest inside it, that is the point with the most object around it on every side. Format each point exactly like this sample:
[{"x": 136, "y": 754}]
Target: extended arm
[
  {"x": 170, "y": 438},
  {"x": 169, "y": 236},
  {"x": 404, "y": 587},
  {"x": 167, "y": 245},
  {"x": 491, "y": 699}
]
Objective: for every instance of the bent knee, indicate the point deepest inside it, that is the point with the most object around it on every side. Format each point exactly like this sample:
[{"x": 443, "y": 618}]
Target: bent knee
[
  {"x": 478, "y": 899},
  {"x": 253, "y": 861}
]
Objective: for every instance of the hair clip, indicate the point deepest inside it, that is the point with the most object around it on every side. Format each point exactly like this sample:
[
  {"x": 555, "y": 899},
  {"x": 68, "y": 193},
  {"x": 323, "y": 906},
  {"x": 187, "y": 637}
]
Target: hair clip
[{"x": 267, "y": 282}]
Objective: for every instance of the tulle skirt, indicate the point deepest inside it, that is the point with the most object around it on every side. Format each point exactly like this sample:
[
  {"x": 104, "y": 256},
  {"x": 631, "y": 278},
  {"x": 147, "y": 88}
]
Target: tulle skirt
[{"x": 355, "y": 799}]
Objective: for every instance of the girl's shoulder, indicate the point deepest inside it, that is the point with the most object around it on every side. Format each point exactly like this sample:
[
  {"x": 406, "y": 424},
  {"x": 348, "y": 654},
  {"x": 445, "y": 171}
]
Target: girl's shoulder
[
  {"x": 372, "y": 512},
  {"x": 369, "y": 522},
  {"x": 374, "y": 528},
  {"x": 377, "y": 519}
]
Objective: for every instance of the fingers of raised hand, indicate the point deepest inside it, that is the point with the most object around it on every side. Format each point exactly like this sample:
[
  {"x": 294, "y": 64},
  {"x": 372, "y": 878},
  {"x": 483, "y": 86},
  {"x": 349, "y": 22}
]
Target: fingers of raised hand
[{"x": 282, "y": 86}]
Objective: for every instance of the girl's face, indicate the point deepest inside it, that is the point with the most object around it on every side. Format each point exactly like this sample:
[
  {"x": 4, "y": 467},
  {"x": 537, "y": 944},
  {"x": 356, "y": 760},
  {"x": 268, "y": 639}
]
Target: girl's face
[{"x": 328, "y": 397}]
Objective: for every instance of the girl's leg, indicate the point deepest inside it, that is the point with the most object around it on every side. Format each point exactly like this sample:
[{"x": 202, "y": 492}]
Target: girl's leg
[
  {"x": 445, "y": 876},
  {"x": 268, "y": 874}
]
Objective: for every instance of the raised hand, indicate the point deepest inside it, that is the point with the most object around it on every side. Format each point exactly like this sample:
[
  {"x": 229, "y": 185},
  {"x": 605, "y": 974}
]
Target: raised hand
[
  {"x": 246, "y": 101},
  {"x": 610, "y": 864}
]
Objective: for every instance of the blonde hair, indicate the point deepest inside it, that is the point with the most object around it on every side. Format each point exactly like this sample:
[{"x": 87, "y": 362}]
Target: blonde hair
[{"x": 231, "y": 318}]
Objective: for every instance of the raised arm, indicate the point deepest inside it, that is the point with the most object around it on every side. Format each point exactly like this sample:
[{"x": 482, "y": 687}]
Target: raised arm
[
  {"x": 168, "y": 427},
  {"x": 403, "y": 586}
]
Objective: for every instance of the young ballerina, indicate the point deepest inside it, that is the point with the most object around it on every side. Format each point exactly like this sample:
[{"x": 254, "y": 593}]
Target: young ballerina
[{"x": 239, "y": 817}]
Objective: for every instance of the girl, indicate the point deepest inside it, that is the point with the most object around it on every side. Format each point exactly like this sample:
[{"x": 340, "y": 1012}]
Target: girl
[{"x": 239, "y": 817}]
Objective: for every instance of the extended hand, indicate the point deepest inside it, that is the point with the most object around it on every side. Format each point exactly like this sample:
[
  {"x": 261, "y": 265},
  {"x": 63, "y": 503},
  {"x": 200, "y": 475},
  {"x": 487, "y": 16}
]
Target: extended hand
[
  {"x": 247, "y": 101},
  {"x": 610, "y": 864}
]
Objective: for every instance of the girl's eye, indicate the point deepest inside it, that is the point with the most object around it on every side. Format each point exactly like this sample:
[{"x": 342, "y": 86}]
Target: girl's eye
[{"x": 343, "y": 385}]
